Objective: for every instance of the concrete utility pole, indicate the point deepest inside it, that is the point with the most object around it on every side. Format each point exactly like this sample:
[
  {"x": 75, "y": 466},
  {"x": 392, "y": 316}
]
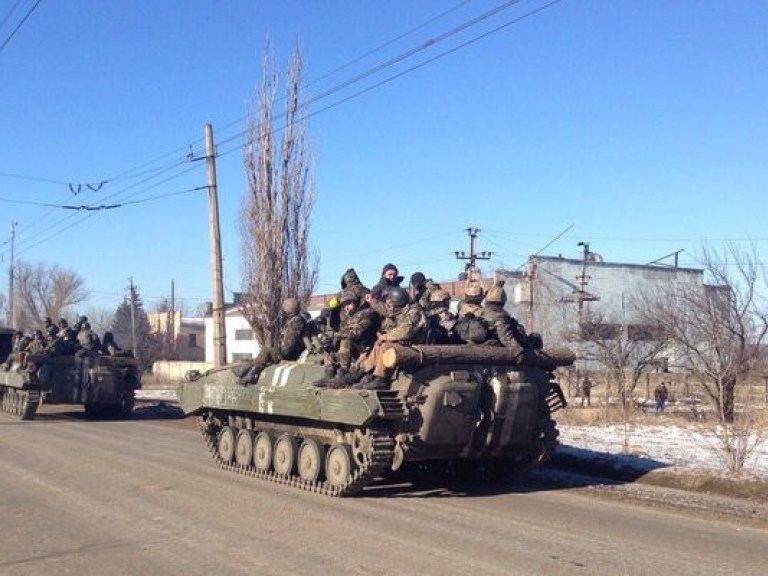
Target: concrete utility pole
[
  {"x": 470, "y": 268},
  {"x": 217, "y": 284},
  {"x": 11, "y": 305}
]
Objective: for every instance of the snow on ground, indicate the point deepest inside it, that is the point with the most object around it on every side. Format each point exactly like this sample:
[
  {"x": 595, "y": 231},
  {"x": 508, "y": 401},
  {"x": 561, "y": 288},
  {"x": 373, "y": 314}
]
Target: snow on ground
[{"x": 650, "y": 444}]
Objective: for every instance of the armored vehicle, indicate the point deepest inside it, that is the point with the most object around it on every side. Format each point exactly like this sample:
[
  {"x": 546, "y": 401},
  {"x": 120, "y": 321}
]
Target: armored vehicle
[
  {"x": 476, "y": 405},
  {"x": 105, "y": 385}
]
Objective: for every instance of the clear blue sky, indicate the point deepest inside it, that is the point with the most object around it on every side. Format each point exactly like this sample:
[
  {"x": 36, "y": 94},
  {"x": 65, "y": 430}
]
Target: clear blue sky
[{"x": 642, "y": 126}]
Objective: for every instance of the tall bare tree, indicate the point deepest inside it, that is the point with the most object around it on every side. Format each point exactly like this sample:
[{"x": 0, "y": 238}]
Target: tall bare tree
[
  {"x": 45, "y": 290},
  {"x": 275, "y": 216},
  {"x": 717, "y": 329}
]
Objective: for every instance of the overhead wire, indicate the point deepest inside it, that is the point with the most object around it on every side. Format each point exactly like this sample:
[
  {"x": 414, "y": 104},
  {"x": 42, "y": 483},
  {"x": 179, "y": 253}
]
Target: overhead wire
[
  {"x": 19, "y": 25},
  {"x": 367, "y": 74}
]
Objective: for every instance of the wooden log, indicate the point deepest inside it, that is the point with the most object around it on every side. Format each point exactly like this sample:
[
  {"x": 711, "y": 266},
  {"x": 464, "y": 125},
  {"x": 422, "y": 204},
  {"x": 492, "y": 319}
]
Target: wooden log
[{"x": 411, "y": 357}]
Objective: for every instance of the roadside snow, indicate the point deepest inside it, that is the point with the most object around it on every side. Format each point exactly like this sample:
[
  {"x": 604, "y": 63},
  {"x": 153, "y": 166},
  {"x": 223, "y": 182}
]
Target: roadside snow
[{"x": 673, "y": 445}]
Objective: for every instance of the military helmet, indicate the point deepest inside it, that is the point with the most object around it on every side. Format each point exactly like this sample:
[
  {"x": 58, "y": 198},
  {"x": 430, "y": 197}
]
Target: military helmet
[
  {"x": 348, "y": 296},
  {"x": 474, "y": 290},
  {"x": 496, "y": 295},
  {"x": 397, "y": 296},
  {"x": 439, "y": 296},
  {"x": 291, "y": 306}
]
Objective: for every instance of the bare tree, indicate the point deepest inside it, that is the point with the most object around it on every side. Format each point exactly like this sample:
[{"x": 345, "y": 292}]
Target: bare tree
[
  {"x": 625, "y": 351},
  {"x": 275, "y": 215},
  {"x": 45, "y": 290},
  {"x": 717, "y": 329}
]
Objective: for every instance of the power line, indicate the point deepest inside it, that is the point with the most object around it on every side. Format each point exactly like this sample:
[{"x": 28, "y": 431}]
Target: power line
[
  {"x": 19, "y": 25},
  {"x": 407, "y": 54}
]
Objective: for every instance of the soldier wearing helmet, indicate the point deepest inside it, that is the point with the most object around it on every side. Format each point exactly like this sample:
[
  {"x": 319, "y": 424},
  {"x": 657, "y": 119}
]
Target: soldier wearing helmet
[
  {"x": 473, "y": 297},
  {"x": 358, "y": 330},
  {"x": 502, "y": 327},
  {"x": 405, "y": 323},
  {"x": 295, "y": 337},
  {"x": 441, "y": 321},
  {"x": 350, "y": 281},
  {"x": 296, "y": 334}
]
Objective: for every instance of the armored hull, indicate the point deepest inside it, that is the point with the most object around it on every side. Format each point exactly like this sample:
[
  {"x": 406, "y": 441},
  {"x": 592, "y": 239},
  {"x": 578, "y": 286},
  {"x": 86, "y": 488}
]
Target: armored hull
[
  {"x": 446, "y": 403},
  {"x": 104, "y": 385}
]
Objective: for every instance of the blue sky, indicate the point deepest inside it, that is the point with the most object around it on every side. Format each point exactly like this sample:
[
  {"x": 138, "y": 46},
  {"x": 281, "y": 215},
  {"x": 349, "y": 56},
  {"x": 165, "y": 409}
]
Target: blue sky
[{"x": 639, "y": 127}]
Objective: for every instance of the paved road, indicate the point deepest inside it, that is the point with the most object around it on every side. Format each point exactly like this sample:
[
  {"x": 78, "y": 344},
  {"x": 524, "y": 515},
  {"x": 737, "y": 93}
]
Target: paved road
[{"x": 143, "y": 497}]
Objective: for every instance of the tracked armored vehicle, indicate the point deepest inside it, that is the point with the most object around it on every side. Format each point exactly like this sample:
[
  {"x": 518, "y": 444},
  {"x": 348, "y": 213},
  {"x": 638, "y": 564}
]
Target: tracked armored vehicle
[
  {"x": 471, "y": 404},
  {"x": 104, "y": 385}
]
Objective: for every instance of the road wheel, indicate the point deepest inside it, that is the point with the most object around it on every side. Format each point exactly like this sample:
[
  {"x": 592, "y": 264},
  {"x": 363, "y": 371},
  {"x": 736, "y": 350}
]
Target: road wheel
[
  {"x": 311, "y": 460},
  {"x": 226, "y": 444},
  {"x": 244, "y": 448},
  {"x": 338, "y": 465},
  {"x": 262, "y": 451},
  {"x": 285, "y": 455}
]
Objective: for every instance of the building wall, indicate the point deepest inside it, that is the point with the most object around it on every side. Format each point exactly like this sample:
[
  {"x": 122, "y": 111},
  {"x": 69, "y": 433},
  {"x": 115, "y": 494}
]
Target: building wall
[
  {"x": 241, "y": 344},
  {"x": 189, "y": 333}
]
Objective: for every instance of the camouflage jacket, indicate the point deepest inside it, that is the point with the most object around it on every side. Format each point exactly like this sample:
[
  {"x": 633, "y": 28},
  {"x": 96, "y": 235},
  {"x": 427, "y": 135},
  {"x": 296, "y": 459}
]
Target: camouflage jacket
[
  {"x": 360, "y": 327},
  {"x": 408, "y": 326},
  {"x": 441, "y": 326},
  {"x": 503, "y": 327},
  {"x": 292, "y": 338},
  {"x": 466, "y": 308}
]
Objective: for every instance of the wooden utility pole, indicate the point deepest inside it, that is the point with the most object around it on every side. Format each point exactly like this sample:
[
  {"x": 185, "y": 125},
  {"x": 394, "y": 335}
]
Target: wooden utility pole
[
  {"x": 11, "y": 306},
  {"x": 217, "y": 284}
]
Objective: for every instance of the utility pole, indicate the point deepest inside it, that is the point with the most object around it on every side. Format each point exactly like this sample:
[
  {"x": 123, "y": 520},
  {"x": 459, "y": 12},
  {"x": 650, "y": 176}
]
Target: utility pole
[
  {"x": 11, "y": 299},
  {"x": 133, "y": 319},
  {"x": 217, "y": 284},
  {"x": 470, "y": 268}
]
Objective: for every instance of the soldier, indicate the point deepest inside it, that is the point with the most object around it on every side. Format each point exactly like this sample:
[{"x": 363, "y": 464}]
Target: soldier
[
  {"x": 55, "y": 345},
  {"x": 441, "y": 321},
  {"x": 471, "y": 304},
  {"x": 358, "y": 330},
  {"x": 108, "y": 345},
  {"x": 351, "y": 281},
  {"x": 405, "y": 323},
  {"x": 295, "y": 337},
  {"x": 586, "y": 391},
  {"x": 20, "y": 345},
  {"x": 389, "y": 280},
  {"x": 87, "y": 338},
  {"x": 501, "y": 326}
]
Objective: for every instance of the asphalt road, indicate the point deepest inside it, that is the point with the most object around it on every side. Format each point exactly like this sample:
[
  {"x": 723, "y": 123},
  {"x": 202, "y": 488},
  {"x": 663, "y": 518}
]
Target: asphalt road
[{"x": 143, "y": 497}]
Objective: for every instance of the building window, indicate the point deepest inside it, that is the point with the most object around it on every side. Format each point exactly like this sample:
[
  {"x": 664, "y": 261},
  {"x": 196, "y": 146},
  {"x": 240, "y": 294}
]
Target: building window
[
  {"x": 595, "y": 332},
  {"x": 192, "y": 340},
  {"x": 643, "y": 332},
  {"x": 244, "y": 334},
  {"x": 241, "y": 356}
]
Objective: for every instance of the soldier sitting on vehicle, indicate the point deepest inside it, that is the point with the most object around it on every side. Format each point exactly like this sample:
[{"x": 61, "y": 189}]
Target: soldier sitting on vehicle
[
  {"x": 471, "y": 303},
  {"x": 356, "y": 336},
  {"x": 295, "y": 338},
  {"x": 406, "y": 324},
  {"x": 441, "y": 321},
  {"x": 18, "y": 351},
  {"x": 108, "y": 345},
  {"x": 55, "y": 345}
]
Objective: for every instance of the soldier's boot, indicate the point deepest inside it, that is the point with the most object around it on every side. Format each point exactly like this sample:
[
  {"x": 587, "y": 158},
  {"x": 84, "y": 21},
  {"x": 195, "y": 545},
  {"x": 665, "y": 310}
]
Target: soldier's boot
[{"x": 377, "y": 383}]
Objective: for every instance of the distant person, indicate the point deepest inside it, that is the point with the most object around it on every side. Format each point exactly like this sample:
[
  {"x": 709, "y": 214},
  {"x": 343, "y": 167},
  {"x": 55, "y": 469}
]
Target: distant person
[
  {"x": 586, "y": 391},
  {"x": 660, "y": 395}
]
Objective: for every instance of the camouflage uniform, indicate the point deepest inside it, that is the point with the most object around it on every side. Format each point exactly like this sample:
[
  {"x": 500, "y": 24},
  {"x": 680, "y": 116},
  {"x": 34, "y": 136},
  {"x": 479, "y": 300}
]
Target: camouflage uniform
[
  {"x": 405, "y": 324},
  {"x": 473, "y": 297},
  {"x": 350, "y": 281},
  {"x": 357, "y": 333},
  {"x": 441, "y": 321},
  {"x": 502, "y": 327},
  {"x": 294, "y": 339}
]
